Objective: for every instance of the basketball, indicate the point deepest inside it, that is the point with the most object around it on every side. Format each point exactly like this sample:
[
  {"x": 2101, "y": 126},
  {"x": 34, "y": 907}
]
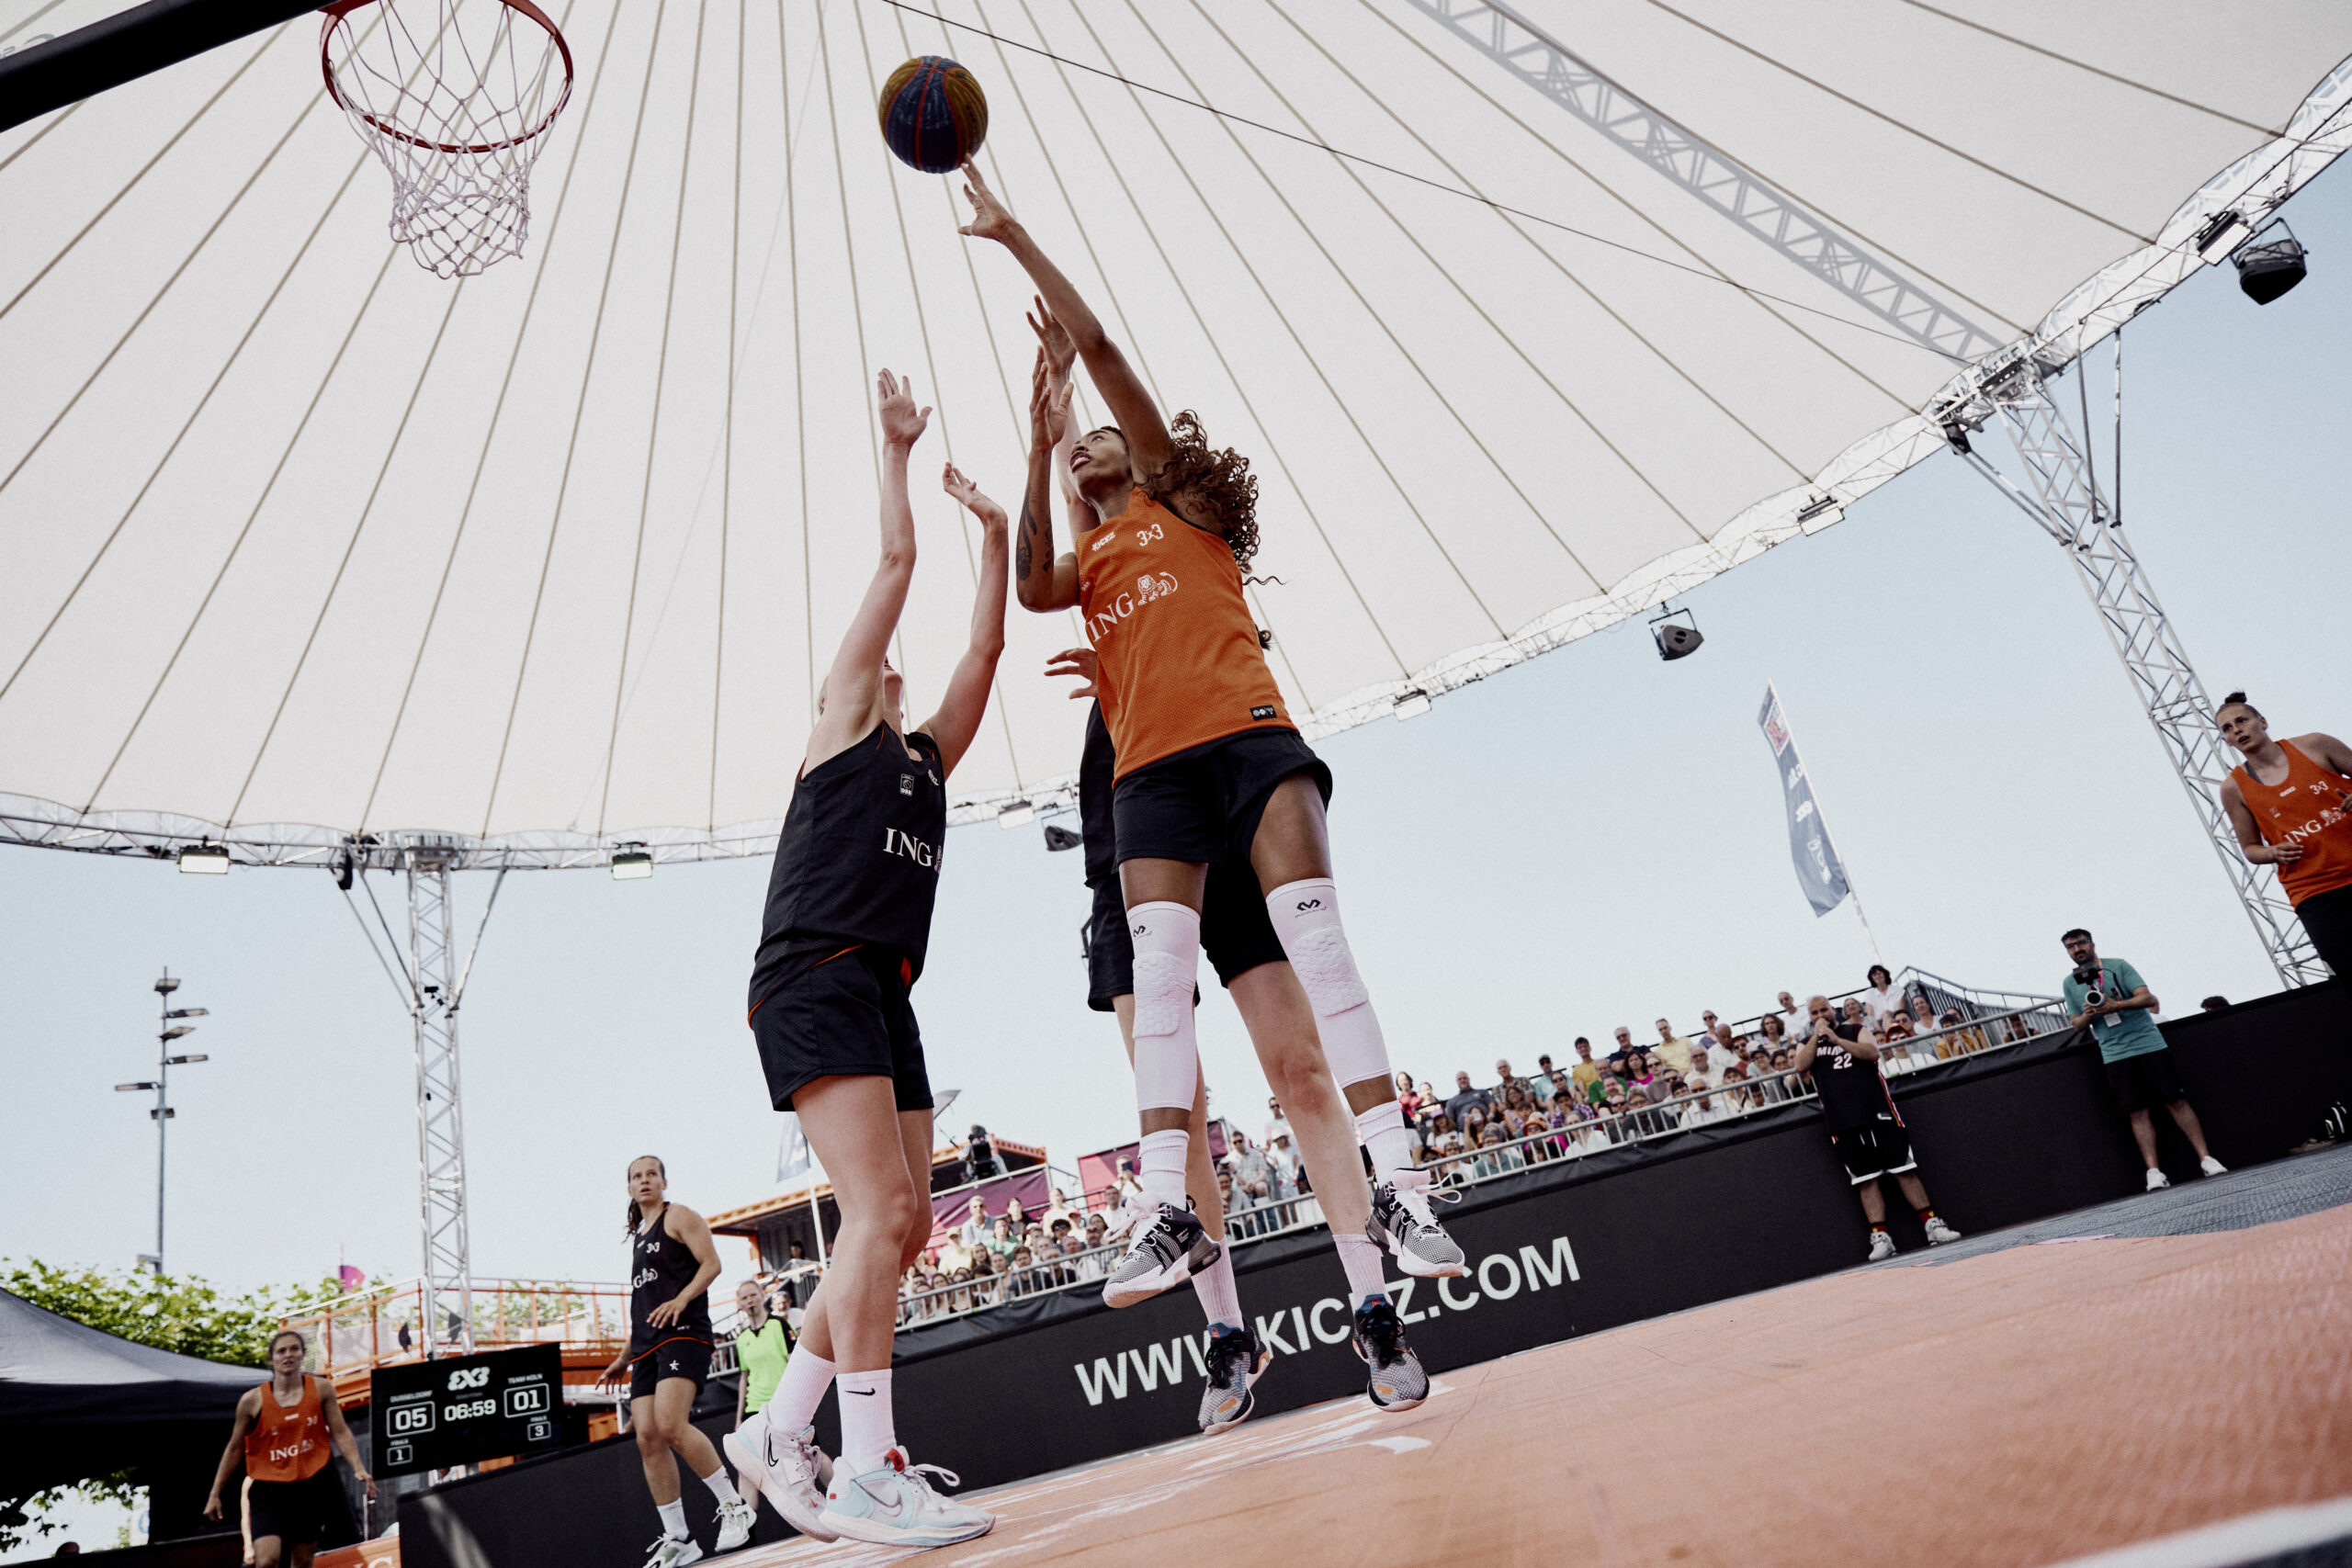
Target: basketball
[{"x": 934, "y": 114}]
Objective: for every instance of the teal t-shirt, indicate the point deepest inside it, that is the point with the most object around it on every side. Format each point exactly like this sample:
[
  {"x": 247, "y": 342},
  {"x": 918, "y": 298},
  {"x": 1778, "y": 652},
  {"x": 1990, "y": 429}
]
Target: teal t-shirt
[{"x": 2121, "y": 1034}]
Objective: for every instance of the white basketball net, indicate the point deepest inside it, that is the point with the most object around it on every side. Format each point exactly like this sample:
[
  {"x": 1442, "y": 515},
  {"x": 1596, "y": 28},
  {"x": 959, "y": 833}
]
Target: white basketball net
[{"x": 453, "y": 95}]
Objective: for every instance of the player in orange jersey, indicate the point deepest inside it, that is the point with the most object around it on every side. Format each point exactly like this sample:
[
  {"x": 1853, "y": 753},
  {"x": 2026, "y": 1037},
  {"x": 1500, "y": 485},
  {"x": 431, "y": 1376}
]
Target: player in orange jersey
[
  {"x": 281, "y": 1436},
  {"x": 1209, "y": 769},
  {"x": 2291, "y": 803}
]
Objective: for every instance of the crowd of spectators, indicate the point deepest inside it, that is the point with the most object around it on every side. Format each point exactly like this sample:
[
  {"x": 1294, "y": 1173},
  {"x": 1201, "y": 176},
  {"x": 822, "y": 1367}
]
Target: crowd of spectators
[{"x": 1594, "y": 1100}]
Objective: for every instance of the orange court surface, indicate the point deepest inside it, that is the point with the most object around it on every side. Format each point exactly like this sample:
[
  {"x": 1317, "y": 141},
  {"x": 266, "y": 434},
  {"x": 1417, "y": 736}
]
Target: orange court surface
[{"x": 2016, "y": 1400}]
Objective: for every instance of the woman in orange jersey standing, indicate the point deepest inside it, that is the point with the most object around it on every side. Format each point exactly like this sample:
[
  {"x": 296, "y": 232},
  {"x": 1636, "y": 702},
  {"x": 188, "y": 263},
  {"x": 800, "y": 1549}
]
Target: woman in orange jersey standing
[
  {"x": 281, "y": 1436},
  {"x": 2290, "y": 802},
  {"x": 1210, "y": 769}
]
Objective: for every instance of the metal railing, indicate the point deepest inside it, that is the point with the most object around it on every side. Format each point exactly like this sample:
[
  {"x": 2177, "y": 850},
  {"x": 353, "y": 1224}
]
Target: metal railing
[{"x": 388, "y": 1324}]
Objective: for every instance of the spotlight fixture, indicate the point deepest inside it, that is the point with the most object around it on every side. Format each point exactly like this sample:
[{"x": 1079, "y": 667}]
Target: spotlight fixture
[
  {"x": 2222, "y": 233},
  {"x": 2271, "y": 264},
  {"x": 1060, "y": 837},
  {"x": 1016, "y": 814},
  {"x": 205, "y": 860},
  {"x": 631, "y": 864},
  {"x": 1676, "y": 639},
  {"x": 1411, "y": 702},
  {"x": 1956, "y": 434}
]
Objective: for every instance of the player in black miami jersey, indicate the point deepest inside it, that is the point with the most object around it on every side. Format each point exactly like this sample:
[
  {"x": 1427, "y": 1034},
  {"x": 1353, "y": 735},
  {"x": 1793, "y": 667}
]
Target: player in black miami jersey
[
  {"x": 1863, "y": 1123},
  {"x": 847, "y": 922}
]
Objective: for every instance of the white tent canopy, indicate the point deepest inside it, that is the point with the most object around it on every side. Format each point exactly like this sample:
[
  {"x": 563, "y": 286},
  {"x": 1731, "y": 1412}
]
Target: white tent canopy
[{"x": 306, "y": 542}]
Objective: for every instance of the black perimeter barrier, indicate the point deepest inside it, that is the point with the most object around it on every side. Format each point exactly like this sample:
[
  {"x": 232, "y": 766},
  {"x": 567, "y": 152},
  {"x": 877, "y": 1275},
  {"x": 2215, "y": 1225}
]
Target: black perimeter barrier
[{"x": 1568, "y": 1247}]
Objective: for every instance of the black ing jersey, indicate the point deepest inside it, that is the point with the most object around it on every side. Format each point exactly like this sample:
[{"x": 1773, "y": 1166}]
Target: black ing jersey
[
  {"x": 1095, "y": 766},
  {"x": 1853, "y": 1092},
  {"x": 659, "y": 1267},
  {"x": 858, "y": 859}
]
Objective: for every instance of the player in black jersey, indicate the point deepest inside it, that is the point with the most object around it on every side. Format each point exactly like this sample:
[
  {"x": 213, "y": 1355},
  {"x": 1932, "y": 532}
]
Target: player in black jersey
[
  {"x": 847, "y": 922},
  {"x": 671, "y": 1265},
  {"x": 1864, "y": 1126}
]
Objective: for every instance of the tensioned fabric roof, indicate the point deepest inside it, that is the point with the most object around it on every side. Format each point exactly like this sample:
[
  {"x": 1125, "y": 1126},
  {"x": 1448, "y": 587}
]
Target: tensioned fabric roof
[{"x": 304, "y": 541}]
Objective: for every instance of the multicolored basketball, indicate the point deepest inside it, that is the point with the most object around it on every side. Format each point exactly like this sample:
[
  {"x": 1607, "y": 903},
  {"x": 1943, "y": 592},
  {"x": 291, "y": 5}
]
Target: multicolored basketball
[{"x": 933, "y": 115}]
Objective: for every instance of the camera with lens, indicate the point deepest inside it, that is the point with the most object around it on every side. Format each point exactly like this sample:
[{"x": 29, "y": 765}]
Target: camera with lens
[{"x": 2087, "y": 975}]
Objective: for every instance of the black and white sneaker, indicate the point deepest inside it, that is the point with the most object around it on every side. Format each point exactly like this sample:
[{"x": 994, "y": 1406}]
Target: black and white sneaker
[
  {"x": 1402, "y": 1221},
  {"x": 1169, "y": 1247},
  {"x": 1236, "y": 1360},
  {"x": 1396, "y": 1382}
]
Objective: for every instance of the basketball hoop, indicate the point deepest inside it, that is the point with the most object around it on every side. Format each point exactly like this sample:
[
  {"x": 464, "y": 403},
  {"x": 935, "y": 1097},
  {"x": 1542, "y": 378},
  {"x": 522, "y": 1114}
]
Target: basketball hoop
[{"x": 453, "y": 101}]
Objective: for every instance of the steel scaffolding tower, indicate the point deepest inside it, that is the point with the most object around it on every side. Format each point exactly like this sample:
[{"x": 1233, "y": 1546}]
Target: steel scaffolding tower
[
  {"x": 2068, "y": 504},
  {"x": 440, "y": 1118}
]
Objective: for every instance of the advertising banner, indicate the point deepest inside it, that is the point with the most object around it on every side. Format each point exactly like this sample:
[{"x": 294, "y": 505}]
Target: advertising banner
[{"x": 1819, "y": 870}]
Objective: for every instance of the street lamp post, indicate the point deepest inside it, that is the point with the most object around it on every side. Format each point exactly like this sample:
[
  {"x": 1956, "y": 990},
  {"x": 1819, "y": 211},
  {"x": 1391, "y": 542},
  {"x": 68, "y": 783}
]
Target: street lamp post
[{"x": 169, "y": 1029}]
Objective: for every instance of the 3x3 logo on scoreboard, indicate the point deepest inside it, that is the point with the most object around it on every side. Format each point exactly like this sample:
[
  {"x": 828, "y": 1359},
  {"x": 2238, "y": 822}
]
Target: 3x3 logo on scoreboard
[{"x": 433, "y": 1415}]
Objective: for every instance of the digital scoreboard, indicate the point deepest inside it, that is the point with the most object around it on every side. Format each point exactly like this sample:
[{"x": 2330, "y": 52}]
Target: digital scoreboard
[{"x": 433, "y": 1415}]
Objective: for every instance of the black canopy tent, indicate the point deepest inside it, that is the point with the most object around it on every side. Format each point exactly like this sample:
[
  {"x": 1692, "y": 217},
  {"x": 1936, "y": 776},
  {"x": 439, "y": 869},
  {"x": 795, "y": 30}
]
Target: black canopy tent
[{"x": 77, "y": 1402}]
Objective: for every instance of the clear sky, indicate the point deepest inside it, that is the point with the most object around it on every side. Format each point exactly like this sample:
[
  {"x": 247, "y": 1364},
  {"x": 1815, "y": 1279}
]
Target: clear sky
[{"x": 1590, "y": 839}]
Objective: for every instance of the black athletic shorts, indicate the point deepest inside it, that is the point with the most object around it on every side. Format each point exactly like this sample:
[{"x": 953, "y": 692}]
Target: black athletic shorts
[
  {"x": 1874, "y": 1149},
  {"x": 1236, "y": 933},
  {"x": 845, "y": 1017},
  {"x": 1203, "y": 803},
  {"x": 2327, "y": 919},
  {"x": 2144, "y": 1082},
  {"x": 297, "y": 1512},
  {"x": 688, "y": 1358}
]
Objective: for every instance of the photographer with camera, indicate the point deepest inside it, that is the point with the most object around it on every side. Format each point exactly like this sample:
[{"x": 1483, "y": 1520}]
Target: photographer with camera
[
  {"x": 1864, "y": 1126},
  {"x": 2107, "y": 997}
]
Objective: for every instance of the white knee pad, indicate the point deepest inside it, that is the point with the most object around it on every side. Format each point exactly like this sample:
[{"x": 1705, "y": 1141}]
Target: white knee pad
[
  {"x": 1307, "y": 918},
  {"x": 1167, "y": 947}
]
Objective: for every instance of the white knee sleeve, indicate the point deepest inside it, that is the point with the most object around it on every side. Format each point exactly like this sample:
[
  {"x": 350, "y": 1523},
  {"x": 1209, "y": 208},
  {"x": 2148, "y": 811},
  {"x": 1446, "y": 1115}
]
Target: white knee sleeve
[
  {"x": 1306, "y": 917},
  {"x": 1167, "y": 952}
]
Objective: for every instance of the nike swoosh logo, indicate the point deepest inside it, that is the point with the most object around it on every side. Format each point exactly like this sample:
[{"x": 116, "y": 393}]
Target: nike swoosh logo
[{"x": 867, "y": 1392}]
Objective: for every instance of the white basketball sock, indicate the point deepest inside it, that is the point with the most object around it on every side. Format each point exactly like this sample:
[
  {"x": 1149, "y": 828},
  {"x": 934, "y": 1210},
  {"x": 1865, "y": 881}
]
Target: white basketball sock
[
  {"x": 1162, "y": 1156},
  {"x": 1220, "y": 1297},
  {"x": 1367, "y": 1273},
  {"x": 721, "y": 1487},
  {"x": 806, "y": 1376},
  {"x": 1381, "y": 1128},
  {"x": 868, "y": 1433},
  {"x": 1167, "y": 955},
  {"x": 673, "y": 1519}
]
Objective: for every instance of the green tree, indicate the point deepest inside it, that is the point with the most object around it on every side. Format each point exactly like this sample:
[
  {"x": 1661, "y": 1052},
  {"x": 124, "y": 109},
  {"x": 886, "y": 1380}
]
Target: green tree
[{"x": 181, "y": 1313}]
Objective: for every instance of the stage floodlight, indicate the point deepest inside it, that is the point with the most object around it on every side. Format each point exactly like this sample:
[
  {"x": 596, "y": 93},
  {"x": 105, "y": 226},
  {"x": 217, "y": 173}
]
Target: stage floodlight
[
  {"x": 184, "y": 1061},
  {"x": 2271, "y": 265},
  {"x": 1411, "y": 702},
  {"x": 205, "y": 860},
  {"x": 188, "y": 1012},
  {"x": 128, "y": 1087},
  {"x": 176, "y": 1030},
  {"x": 1016, "y": 814},
  {"x": 1676, "y": 639},
  {"x": 167, "y": 984},
  {"x": 632, "y": 865},
  {"x": 1060, "y": 837},
  {"x": 2222, "y": 233}
]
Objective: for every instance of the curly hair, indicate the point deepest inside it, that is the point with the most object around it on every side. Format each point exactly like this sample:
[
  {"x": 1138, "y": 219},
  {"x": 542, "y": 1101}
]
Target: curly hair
[{"x": 1221, "y": 479}]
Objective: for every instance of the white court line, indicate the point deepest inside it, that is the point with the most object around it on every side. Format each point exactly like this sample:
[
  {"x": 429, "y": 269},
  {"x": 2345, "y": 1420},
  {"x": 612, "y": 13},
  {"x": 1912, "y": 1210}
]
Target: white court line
[{"x": 2266, "y": 1534}]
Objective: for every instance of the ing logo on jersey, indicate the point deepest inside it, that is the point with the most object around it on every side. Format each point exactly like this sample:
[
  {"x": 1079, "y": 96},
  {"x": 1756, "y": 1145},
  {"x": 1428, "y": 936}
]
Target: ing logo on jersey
[{"x": 1148, "y": 587}]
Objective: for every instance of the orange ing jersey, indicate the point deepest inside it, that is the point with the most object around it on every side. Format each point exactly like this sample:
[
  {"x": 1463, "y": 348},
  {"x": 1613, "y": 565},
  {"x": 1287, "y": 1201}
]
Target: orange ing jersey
[
  {"x": 1179, "y": 655},
  {"x": 287, "y": 1445},
  {"x": 2311, "y": 807}
]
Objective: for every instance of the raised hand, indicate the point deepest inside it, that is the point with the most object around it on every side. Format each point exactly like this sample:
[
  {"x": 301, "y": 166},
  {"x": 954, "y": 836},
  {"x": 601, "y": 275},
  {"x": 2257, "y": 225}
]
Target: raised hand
[
  {"x": 1078, "y": 662},
  {"x": 1060, "y": 352},
  {"x": 902, "y": 423},
  {"x": 990, "y": 220},
  {"x": 1048, "y": 404},
  {"x": 955, "y": 482}
]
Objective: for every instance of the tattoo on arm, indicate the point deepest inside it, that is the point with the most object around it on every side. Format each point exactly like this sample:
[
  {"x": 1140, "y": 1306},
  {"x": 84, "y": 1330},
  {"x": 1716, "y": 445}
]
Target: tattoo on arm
[{"x": 1024, "y": 556}]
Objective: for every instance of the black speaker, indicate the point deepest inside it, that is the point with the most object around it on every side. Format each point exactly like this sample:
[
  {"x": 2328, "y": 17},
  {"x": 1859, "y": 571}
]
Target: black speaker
[
  {"x": 2268, "y": 268},
  {"x": 1675, "y": 641},
  {"x": 1061, "y": 838}
]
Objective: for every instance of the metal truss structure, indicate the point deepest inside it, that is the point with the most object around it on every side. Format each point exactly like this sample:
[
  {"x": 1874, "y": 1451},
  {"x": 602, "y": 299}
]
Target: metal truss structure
[
  {"x": 1753, "y": 204},
  {"x": 2068, "y": 504}
]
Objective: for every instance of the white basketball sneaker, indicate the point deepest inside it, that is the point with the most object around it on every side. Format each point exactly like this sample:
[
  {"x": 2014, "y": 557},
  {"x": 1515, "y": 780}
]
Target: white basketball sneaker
[
  {"x": 893, "y": 1505},
  {"x": 1940, "y": 1232},
  {"x": 788, "y": 1467},
  {"x": 667, "y": 1553},
  {"x": 2213, "y": 1167},
  {"x": 1882, "y": 1247},
  {"x": 734, "y": 1525},
  {"x": 2157, "y": 1179}
]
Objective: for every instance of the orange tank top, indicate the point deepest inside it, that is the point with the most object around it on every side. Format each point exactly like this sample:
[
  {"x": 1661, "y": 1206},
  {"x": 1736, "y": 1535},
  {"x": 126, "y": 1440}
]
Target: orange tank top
[
  {"x": 2311, "y": 806},
  {"x": 287, "y": 1444},
  {"x": 1177, "y": 650}
]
